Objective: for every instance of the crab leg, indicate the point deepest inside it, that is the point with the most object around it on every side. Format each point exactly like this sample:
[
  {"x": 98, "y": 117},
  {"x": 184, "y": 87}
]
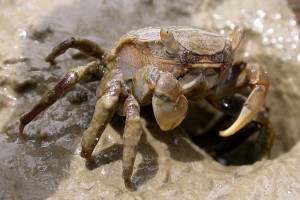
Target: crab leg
[
  {"x": 131, "y": 137},
  {"x": 104, "y": 110},
  {"x": 52, "y": 95},
  {"x": 255, "y": 75},
  {"x": 85, "y": 46}
]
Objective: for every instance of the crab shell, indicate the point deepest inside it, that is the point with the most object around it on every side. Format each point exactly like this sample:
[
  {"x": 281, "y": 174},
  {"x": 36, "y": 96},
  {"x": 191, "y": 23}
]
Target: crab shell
[
  {"x": 185, "y": 52},
  {"x": 144, "y": 47}
]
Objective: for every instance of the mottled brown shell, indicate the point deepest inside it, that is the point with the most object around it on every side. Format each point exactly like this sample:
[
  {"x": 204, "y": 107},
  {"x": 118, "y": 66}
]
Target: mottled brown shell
[
  {"x": 143, "y": 47},
  {"x": 196, "y": 40}
]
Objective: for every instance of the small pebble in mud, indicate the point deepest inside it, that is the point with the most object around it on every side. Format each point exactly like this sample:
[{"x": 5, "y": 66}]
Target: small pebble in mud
[
  {"x": 16, "y": 60},
  {"x": 6, "y": 100},
  {"x": 40, "y": 33},
  {"x": 22, "y": 84},
  {"x": 77, "y": 97}
]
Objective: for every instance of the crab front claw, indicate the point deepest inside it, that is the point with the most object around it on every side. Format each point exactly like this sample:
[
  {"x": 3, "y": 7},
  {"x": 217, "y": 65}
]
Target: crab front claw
[
  {"x": 257, "y": 78},
  {"x": 169, "y": 105},
  {"x": 168, "y": 102},
  {"x": 250, "y": 108},
  {"x": 169, "y": 114}
]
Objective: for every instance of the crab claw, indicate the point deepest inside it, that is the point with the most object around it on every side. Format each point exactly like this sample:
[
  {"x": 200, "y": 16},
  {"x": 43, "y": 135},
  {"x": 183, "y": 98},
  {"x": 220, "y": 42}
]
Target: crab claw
[
  {"x": 169, "y": 114},
  {"x": 250, "y": 108},
  {"x": 169, "y": 105}
]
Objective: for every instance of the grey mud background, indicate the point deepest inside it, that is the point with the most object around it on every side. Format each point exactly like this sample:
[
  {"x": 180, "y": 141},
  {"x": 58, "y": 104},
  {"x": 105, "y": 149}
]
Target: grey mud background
[{"x": 168, "y": 165}]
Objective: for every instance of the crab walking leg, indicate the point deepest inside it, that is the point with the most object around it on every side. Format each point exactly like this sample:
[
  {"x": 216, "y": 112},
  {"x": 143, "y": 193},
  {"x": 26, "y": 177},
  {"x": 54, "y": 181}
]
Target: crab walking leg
[
  {"x": 131, "y": 137},
  {"x": 52, "y": 95},
  {"x": 264, "y": 142},
  {"x": 256, "y": 76},
  {"x": 104, "y": 111},
  {"x": 87, "y": 47}
]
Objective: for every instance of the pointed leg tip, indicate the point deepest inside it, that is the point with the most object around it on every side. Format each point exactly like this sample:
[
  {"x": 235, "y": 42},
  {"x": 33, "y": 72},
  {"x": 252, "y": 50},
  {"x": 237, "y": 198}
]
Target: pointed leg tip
[
  {"x": 129, "y": 185},
  {"x": 127, "y": 172},
  {"x": 85, "y": 154},
  {"x": 47, "y": 59},
  {"x": 50, "y": 60},
  {"x": 21, "y": 128}
]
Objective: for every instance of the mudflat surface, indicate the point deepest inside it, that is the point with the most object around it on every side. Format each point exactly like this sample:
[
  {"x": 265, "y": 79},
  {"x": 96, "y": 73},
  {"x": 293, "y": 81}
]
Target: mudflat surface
[{"x": 168, "y": 166}]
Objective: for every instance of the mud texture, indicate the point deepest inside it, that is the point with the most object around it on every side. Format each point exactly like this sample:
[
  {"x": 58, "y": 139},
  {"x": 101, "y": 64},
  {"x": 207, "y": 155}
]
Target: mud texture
[{"x": 47, "y": 165}]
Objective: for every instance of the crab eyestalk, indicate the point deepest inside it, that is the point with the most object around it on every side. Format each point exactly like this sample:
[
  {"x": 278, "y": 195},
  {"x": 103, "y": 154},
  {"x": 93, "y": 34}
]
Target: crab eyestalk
[{"x": 168, "y": 40}]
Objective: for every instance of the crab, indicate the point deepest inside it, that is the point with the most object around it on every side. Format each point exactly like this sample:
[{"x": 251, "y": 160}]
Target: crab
[{"x": 165, "y": 67}]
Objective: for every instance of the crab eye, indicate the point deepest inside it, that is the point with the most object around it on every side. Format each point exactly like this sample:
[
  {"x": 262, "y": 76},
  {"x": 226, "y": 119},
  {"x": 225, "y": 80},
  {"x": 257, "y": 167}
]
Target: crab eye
[
  {"x": 166, "y": 35},
  {"x": 168, "y": 40}
]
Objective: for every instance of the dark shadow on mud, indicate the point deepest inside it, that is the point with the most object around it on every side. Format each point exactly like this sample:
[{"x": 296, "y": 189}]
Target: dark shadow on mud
[
  {"x": 242, "y": 148},
  {"x": 105, "y": 156},
  {"x": 149, "y": 165},
  {"x": 146, "y": 170},
  {"x": 176, "y": 141}
]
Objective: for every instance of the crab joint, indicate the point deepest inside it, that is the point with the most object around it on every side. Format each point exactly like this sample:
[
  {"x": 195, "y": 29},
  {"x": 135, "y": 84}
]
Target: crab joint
[{"x": 168, "y": 40}]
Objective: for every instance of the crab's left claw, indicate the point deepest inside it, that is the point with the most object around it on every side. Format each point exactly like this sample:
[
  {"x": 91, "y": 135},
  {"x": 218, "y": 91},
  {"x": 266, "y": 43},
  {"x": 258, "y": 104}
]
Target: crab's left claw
[
  {"x": 169, "y": 105},
  {"x": 256, "y": 75},
  {"x": 249, "y": 111}
]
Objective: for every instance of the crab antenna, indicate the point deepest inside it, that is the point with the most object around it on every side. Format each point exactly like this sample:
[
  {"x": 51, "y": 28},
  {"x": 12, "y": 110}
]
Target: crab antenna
[
  {"x": 237, "y": 36},
  {"x": 168, "y": 40}
]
